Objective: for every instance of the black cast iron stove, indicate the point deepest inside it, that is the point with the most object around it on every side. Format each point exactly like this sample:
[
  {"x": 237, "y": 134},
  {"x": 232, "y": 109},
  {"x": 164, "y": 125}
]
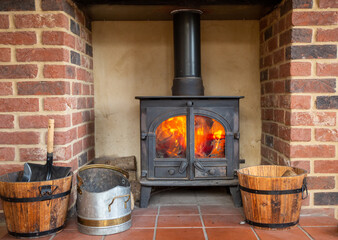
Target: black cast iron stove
[{"x": 189, "y": 139}]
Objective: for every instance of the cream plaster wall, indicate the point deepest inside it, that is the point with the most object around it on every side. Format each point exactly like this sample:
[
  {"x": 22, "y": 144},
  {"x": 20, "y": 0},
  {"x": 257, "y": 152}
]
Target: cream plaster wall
[{"x": 136, "y": 59}]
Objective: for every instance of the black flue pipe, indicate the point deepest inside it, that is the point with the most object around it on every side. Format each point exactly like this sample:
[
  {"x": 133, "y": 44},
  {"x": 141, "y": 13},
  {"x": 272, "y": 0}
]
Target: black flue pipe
[{"x": 187, "y": 53}]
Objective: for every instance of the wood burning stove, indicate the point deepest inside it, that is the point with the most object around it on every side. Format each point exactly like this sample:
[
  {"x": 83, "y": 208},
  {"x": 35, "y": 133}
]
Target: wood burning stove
[{"x": 189, "y": 139}]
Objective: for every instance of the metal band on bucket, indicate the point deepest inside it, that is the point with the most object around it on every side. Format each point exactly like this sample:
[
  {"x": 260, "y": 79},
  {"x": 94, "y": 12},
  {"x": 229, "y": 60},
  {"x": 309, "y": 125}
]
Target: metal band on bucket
[
  {"x": 103, "y": 223},
  {"x": 302, "y": 190},
  {"x": 270, "y": 192},
  {"x": 36, "y": 234},
  {"x": 35, "y": 199},
  {"x": 272, "y": 225}
]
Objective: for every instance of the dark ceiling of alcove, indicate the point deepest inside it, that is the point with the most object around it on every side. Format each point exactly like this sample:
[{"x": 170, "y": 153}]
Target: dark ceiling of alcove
[{"x": 110, "y": 10}]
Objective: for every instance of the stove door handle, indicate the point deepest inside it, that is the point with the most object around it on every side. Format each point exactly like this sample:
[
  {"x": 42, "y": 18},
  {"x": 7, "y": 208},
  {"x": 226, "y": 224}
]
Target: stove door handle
[
  {"x": 183, "y": 167},
  {"x": 199, "y": 166}
]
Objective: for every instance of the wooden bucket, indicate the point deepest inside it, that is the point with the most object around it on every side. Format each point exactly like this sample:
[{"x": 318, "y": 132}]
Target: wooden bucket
[
  {"x": 270, "y": 200},
  {"x": 34, "y": 209}
]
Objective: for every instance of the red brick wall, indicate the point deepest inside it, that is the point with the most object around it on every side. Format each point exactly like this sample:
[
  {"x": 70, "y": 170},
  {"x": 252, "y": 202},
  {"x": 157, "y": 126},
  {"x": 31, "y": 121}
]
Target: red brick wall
[
  {"x": 45, "y": 72},
  {"x": 299, "y": 101}
]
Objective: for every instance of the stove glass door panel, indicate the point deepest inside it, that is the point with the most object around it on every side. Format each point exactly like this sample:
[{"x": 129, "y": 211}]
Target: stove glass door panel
[
  {"x": 209, "y": 138},
  {"x": 171, "y": 138}
]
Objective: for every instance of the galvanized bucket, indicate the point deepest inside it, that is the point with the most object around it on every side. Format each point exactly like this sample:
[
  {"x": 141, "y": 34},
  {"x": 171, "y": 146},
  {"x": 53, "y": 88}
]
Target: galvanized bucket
[{"x": 103, "y": 200}]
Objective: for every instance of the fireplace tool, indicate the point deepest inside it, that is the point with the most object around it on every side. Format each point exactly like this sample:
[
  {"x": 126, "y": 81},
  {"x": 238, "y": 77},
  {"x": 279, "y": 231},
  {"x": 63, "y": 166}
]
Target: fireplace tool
[{"x": 37, "y": 172}]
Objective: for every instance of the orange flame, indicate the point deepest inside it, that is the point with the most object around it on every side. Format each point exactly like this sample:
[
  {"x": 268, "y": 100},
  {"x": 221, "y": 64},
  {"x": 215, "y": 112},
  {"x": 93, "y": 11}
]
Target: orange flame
[
  {"x": 209, "y": 138},
  {"x": 171, "y": 139}
]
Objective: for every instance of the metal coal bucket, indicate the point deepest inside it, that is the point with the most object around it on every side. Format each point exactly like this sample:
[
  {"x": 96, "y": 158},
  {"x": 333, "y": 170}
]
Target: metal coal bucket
[{"x": 103, "y": 200}]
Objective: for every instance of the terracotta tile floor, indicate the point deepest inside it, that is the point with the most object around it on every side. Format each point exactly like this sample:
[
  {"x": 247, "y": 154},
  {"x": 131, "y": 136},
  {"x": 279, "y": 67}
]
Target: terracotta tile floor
[{"x": 199, "y": 222}]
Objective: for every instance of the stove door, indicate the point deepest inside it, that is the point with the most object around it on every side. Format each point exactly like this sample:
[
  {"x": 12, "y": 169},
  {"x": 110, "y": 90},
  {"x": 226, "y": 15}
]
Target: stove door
[
  {"x": 192, "y": 146},
  {"x": 171, "y": 155}
]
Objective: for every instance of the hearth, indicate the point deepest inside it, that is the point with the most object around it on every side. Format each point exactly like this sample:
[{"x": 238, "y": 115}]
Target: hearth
[{"x": 189, "y": 139}]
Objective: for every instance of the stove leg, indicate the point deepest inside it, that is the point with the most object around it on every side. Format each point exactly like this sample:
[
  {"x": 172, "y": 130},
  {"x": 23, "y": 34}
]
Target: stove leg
[
  {"x": 145, "y": 196},
  {"x": 236, "y": 196}
]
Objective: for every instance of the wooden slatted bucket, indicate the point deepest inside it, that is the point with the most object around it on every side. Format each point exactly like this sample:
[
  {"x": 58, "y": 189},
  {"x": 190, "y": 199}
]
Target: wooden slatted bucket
[
  {"x": 34, "y": 209},
  {"x": 271, "y": 200}
]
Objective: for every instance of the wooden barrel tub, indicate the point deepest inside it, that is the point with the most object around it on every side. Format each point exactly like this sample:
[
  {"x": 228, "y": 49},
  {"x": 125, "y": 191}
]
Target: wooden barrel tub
[
  {"x": 271, "y": 200},
  {"x": 34, "y": 209}
]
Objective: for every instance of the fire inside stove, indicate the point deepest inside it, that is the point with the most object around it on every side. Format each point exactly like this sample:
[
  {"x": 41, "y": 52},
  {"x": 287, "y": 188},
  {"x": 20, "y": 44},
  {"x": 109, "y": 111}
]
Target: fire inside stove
[{"x": 171, "y": 138}]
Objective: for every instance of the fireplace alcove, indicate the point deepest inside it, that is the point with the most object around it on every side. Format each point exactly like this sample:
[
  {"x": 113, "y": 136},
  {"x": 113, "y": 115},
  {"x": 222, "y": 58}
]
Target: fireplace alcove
[
  {"x": 140, "y": 53},
  {"x": 148, "y": 71}
]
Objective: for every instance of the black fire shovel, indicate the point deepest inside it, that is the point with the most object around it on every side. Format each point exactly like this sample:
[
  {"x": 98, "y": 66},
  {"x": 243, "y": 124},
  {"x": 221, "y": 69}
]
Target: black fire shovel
[{"x": 37, "y": 172}]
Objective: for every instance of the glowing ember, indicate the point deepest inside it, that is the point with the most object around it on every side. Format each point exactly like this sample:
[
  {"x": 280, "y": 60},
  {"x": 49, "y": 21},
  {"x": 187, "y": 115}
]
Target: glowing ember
[{"x": 171, "y": 139}]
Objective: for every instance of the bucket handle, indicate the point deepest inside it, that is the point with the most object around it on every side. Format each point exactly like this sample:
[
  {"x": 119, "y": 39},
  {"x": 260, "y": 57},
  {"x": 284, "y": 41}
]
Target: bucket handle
[
  {"x": 79, "y": 184},
  {"x": 47, "y": 190},
  {"x": 125, "y": 202},
  {"x": 305, "y": 193}
]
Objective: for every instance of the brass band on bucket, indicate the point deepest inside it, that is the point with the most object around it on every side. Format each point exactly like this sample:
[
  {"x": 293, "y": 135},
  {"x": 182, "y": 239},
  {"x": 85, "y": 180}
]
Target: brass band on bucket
[{"x": 103, "y": 223}]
